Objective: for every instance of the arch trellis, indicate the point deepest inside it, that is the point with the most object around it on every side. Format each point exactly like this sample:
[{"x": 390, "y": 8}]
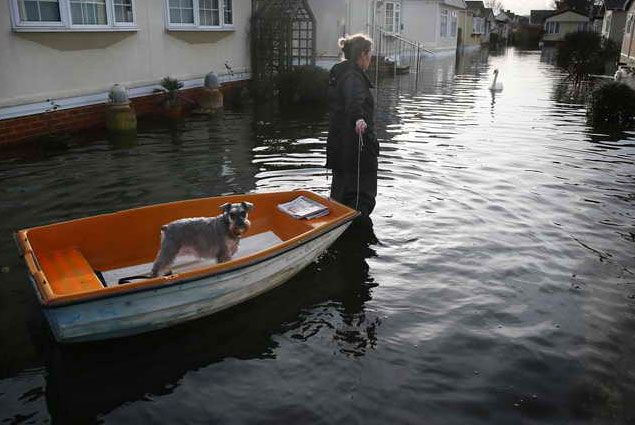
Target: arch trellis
[{"x": 283, "y": 36}]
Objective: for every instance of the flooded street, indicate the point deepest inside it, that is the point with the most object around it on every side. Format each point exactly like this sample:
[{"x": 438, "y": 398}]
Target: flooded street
[{"x": 498, "y": 287}]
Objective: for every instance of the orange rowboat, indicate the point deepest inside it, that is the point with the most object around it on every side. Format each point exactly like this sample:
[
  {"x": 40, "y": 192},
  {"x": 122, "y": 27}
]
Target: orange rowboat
[{"x": 75, "y": 266}]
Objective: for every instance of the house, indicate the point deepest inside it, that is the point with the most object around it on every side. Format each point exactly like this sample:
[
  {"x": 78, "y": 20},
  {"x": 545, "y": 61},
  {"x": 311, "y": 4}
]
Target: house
[
  {"x": 479, "y": 20},
  {"x": 628, "y": 47},
  {"x": 505, "y": 22},
  {"x": 469, "y": 30},
  {"x": 61, "y": 55},
  {"x": 431, "y": 23},
  {"x": 558, "y": 25},
  {"x": 435, "y": 23},
  {"x": 490, "y": 24},
  {"x": 614, "y": 20}
]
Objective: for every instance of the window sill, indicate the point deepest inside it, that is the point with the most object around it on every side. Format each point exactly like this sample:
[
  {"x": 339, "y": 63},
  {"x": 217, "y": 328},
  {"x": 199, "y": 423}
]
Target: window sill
[
  {"x": 203, "y": 29},
  {"x": 74, "y": 29}
]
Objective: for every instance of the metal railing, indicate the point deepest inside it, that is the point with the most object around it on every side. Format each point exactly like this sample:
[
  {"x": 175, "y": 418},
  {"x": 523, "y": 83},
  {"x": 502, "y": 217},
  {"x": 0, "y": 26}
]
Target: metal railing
[{"x": 396, "y": 54}]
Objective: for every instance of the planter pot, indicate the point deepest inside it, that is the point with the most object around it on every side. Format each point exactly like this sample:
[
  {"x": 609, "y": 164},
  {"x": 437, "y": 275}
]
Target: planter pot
[
  {"x": 173, "y": 111},
  {"x": 121, "y": 118}
]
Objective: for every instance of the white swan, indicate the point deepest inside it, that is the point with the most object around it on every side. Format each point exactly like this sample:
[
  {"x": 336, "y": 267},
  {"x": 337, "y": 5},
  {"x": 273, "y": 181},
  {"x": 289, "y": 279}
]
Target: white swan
[{"x": 496, "y": 85}]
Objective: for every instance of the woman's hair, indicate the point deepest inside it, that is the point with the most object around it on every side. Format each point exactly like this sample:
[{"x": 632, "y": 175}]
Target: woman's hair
[{"x": 354, "y": 45}]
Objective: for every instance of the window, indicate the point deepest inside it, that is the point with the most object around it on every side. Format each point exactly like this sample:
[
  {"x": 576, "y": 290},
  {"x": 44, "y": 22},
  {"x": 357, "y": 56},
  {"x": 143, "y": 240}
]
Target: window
[
  {"x": 123, "y": 11},
  {"x": 389, "y": 22},
  {"x": 552, "y": 27},
  {"x": 209, "y": 11},
  {"x": 88, "y": 12},
  {"x": 392, "y": 17},
  {"x": 477, "y": 25},
  {"x": 39, "y": 10},
  {"x": 444, "y": 23},
  {"x": 453, "y": 23},
  {"x": 70, "y": 15},
  {"x": 199, "y": 14},
  {"x": 228, "y": 12},
  {"x": 181, "y": 11},
  {"x": 607, "y": 22},
  {"x": 583, "y": 26}
]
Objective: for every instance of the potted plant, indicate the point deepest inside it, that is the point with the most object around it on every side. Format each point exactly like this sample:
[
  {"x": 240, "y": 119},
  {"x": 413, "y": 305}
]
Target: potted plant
[{"x": 172, "y": 103}]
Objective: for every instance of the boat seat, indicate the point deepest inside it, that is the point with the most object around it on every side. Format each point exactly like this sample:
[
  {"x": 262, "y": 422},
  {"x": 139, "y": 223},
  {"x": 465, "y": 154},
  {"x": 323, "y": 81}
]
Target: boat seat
[{"x": 68, "y": 272}]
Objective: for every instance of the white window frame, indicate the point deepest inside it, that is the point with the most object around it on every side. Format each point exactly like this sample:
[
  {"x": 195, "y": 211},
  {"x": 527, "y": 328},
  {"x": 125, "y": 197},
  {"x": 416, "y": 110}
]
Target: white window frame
[
  {"x": 552, "y": 27},
  {"x": 196, "y": 26},
  {"x": 395, "y": 18},
  {"x": 477, "y": 25},
  {"x": 66, "y": 24},
  {"x": 444, "y": 14},
  {"x": 454, "y": 23}
]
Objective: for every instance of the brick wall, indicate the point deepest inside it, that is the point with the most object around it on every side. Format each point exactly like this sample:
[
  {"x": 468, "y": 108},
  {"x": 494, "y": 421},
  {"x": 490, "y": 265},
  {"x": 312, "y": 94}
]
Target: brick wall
[{"x": 22, "y": 129}]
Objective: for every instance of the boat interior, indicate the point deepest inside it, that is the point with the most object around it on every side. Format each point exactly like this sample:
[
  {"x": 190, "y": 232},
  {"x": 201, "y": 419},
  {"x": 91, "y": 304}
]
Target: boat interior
[{"x": 79, "y": 258}]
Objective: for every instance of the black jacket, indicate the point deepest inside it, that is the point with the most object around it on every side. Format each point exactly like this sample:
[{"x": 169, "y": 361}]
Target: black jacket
[{"x": 350, "y": 99}]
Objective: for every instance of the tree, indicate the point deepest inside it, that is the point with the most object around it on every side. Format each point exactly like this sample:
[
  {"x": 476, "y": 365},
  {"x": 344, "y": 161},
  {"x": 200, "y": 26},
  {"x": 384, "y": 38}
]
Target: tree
[
  {"x": 611, "y": 107},
  {"x": 584, "y": 53},
  {"x": 582, "y": 6},
  {"x": 495, "y": 5}
]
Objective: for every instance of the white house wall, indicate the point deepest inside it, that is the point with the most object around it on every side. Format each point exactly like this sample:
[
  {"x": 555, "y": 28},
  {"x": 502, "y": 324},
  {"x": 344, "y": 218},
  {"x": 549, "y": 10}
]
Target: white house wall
[
  {"x": 336, "y": 18},
  {"x": 420, "y": 21},
  {"x": 37, "y": 66},
  {"x": 615, "y": 25}
]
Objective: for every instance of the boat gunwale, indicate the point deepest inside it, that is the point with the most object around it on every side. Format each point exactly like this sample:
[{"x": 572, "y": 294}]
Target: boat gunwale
[{"x": 49, "y": 300}]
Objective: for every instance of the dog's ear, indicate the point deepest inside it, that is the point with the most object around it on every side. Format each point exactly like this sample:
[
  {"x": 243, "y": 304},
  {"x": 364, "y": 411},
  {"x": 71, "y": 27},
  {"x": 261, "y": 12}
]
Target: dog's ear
[
  {"x": 226, "y": 207},
  {"x": 247, "y": 205}
]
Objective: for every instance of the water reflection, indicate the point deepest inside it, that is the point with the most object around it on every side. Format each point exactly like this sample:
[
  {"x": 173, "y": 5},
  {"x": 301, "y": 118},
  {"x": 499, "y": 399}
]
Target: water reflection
[
  {"x": 86, "y": 381},
  {"x": 501, "y": 290}
]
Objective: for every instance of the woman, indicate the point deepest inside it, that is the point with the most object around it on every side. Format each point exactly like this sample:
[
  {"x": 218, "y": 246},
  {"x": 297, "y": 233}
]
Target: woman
[{"x": 352, "y": 107}]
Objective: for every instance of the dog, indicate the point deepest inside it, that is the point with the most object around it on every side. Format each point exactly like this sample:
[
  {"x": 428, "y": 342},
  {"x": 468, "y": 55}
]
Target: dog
[{"x": 208, "y": 237}]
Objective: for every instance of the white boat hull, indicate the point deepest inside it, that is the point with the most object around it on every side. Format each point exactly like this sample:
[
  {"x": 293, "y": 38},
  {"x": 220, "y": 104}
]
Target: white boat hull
[{"x": 151, "y": 309}]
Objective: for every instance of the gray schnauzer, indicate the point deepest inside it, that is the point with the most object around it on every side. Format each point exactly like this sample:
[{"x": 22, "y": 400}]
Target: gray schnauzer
[{"x": 208, "y": 237}]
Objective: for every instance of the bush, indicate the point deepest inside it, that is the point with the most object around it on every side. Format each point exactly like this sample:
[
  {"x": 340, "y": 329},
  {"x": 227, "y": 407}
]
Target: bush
[
  {"x": 611, "y": 106},
  {"x": 303, "y": 85},
  {"x": 527, "y": 37},
  {"x": 171, "y": 87},
  {"x": 584, "y": 53}
]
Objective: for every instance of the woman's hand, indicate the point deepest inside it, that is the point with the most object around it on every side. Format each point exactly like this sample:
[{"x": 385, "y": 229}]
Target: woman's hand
[{"x": 360, "y": 126}]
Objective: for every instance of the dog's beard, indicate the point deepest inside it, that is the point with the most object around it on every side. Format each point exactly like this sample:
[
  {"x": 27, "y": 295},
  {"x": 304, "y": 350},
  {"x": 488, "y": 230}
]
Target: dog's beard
[{"x": 237, "y": 230}]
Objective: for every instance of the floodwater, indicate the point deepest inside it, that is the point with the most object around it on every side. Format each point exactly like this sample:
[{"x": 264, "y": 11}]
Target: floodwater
[{"x": 498, "y": 286}]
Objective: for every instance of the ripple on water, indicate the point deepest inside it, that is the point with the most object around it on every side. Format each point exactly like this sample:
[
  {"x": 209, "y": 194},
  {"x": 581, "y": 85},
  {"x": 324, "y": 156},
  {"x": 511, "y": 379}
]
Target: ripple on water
[{"x": 500, "y": 291}]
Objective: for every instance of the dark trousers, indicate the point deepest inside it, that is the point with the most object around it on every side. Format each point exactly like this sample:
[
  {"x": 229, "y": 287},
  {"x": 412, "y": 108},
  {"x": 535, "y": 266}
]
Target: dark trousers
[{"x": 344, "y": 190}]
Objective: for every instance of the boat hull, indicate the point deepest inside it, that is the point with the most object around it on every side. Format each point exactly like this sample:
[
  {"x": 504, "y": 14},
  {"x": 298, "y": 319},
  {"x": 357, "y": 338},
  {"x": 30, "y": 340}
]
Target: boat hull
[{"x": 160, "y": 307}]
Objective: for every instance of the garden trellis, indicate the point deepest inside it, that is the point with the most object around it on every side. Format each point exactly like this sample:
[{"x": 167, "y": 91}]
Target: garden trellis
[{"x": 283, "y": 36}]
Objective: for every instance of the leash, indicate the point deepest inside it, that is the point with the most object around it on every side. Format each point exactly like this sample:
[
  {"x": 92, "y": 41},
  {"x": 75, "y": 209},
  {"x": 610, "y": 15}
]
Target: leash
[{"x": 360, "y": 145}]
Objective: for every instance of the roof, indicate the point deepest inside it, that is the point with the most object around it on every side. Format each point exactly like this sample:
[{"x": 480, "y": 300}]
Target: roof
[
  {"x": 475, "y": 5},
  {"x": 615, "y": 4},
  {"x": 537, "y": 17},
  {"x": 460, "y": 4},
  {"x": 489, "y": 12},
  {"x": 567, "y": 11}
]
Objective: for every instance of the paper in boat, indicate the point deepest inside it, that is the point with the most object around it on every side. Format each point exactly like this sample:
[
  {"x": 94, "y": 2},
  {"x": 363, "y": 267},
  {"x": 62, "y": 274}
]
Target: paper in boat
[{"x": 304, "y": 208}]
